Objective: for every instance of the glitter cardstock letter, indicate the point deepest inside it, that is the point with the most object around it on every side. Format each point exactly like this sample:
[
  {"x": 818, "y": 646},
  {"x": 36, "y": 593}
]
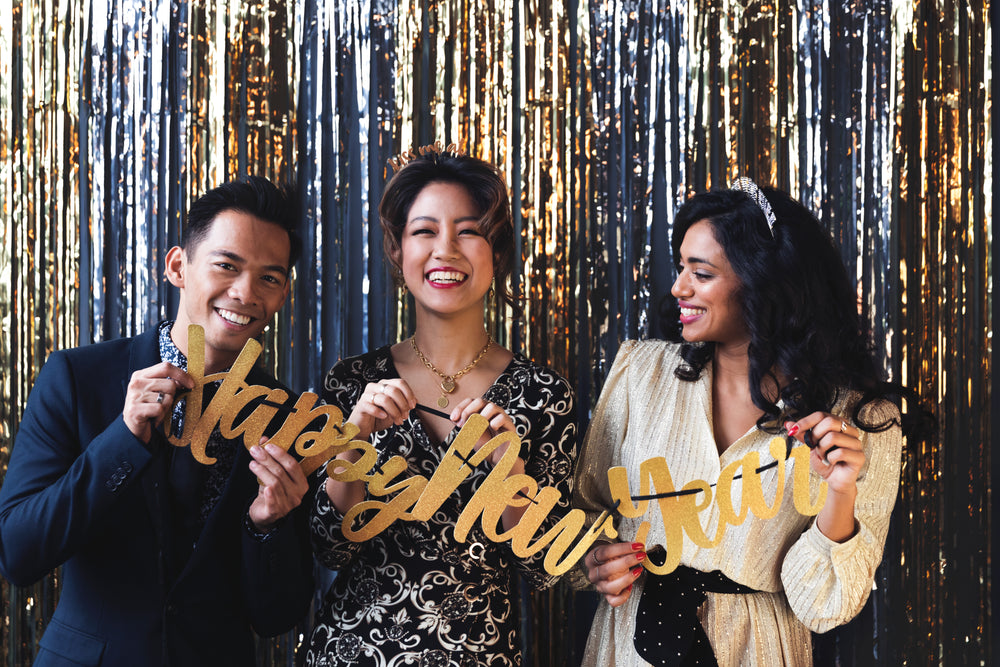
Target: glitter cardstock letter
[
  {"x": 682, "y": 509},
  {"x": 417, "y": 498},
  {"x": 234, "y": 396}
]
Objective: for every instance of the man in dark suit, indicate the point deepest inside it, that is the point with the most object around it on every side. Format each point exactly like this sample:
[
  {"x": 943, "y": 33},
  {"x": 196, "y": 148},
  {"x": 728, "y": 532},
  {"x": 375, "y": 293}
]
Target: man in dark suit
[{"x": 166, "y": 561}]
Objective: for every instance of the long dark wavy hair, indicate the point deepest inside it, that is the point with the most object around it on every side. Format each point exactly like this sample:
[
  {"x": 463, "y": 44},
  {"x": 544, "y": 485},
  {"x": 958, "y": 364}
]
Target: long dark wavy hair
[{"x": 801, "y": 311}]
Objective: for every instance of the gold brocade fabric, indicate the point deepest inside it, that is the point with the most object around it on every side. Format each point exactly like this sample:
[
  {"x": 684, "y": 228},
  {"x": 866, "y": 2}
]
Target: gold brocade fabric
[{"x": 807, "y": 581}]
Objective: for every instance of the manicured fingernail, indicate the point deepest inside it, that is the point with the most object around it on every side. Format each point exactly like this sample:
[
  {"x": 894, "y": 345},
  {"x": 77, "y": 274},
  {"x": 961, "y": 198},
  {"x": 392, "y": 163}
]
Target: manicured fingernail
[
  {"x": 271, "y": 448},
  {"x": 629, "y": 588},
  {"x": 640, "y": 556},
  {"x": 637, "y": 570},
  {"x": 792, "y": 428},
  {"x": 637, "y": 546},
  {"x": 256, "y": 452}
]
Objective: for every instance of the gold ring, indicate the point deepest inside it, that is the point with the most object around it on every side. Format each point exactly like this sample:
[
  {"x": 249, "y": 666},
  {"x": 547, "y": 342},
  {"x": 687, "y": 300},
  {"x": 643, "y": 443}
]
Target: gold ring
[{"x": 843, "y": 426}]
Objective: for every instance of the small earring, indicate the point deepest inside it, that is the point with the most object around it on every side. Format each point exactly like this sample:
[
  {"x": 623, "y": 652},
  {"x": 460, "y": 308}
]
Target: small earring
[
  {"x": 493, "y": 293},
  {"x": 402, "y": 290}
]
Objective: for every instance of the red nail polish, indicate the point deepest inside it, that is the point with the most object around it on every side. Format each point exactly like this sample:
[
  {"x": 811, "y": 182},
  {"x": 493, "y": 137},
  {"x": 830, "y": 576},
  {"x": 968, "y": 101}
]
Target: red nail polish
[
  {"x": 640, "y": 556},
  {"x": 637, "y": 570},
  {"x": 637, "y": 546},
  {"x": 793, "y": 429}
]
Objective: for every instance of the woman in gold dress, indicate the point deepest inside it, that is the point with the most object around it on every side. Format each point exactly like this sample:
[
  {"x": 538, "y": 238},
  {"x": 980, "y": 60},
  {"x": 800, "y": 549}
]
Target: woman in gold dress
[{"x": 769, "y": 343}]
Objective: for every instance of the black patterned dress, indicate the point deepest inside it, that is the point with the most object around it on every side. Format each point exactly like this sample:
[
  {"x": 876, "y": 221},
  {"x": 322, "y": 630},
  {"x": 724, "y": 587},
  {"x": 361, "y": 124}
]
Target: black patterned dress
[{"x": 413, "y": 595}]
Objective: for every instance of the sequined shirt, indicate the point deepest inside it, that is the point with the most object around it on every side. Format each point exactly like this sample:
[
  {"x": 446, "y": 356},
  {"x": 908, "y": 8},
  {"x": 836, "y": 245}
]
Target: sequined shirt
[{"x": 806, "y": 581}]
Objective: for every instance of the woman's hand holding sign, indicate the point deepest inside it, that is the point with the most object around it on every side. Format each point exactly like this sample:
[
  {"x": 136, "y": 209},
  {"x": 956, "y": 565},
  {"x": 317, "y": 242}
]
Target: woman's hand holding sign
[
  {"x": 612, "y": 568},
  {"x": 837, "y": 456},
  {"x": 382, "y": 404},
  {"x": 499, "y": 422}
]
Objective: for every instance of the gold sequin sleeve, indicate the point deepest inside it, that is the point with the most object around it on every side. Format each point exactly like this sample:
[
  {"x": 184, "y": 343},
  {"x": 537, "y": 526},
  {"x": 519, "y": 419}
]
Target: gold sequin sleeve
[
  {"x": 804, "y": 580},
  {"x": 827, "y": 583}
]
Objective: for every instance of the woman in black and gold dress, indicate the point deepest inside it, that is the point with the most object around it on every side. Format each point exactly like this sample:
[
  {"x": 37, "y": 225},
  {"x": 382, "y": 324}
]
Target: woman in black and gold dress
[{"x": 414, "y": 595}]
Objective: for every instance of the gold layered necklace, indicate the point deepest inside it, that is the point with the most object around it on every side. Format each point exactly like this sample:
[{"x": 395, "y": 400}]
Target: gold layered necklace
[{"x": 448, "y": 384}]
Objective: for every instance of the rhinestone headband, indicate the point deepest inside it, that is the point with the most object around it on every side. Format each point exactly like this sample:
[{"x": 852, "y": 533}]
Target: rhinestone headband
[{"x": 744, "y": 184}]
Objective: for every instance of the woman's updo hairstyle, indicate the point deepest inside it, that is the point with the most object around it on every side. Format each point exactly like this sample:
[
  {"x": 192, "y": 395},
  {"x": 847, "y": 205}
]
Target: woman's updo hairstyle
[
  {"x": 800, "y": 308},
  {"x": 485, "y": 186}
]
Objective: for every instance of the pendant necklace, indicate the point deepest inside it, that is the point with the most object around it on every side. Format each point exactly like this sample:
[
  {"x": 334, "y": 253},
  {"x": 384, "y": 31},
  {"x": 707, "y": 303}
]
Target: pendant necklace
[{"x": 448, "y": 384}]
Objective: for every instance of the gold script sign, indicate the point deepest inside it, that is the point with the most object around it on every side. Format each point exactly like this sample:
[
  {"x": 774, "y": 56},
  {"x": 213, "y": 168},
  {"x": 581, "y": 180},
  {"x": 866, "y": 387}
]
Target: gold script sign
[
  {"x": 416, "y": 498},
  {"x": 316, "y": 447},
  {"x": 680, "y": 510}
]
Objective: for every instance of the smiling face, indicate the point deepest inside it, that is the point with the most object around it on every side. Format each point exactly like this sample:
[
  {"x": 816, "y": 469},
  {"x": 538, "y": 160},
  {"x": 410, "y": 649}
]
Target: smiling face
[
  {"x": 232, "y": 282},
  {"x": 706, "y": 289},
  {"x": 447, "y": 264}
]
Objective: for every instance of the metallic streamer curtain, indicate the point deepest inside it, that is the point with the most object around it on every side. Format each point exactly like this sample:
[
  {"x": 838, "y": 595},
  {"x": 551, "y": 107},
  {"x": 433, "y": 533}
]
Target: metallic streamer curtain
[
  {"x": 604, "y": 117},
  {"x": 114, "y": 115}
]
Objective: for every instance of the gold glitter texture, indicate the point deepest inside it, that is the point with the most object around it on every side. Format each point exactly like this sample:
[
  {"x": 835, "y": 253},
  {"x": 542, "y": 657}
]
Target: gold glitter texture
[{"x": 603, "y": 117}]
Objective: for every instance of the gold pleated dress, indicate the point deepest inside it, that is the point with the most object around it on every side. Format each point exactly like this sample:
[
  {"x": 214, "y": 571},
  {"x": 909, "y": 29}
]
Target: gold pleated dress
[{"x": 806, "y": 581}]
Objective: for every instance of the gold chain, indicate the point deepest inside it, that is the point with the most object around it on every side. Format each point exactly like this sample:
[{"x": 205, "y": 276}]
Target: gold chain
[{"x": 448, "y": 384}]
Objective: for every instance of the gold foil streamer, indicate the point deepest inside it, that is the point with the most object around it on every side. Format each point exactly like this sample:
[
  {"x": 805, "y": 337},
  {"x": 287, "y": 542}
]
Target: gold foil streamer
[
  {"x": 603, "y": 117},
  {"x": 93, "y": 179},
  {"x": 943, "y": 206},
  {"x": 39, "y": 173}
]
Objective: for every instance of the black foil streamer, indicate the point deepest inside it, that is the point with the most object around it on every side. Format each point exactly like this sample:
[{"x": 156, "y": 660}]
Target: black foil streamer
[{"x": 604, "y": 117}]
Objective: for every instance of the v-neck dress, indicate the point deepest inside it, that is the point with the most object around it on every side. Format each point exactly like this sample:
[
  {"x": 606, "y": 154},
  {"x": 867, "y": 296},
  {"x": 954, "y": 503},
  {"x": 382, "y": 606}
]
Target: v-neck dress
[
  {"x": 413, "y": 595},
  {"x": 805, "y": 581}
]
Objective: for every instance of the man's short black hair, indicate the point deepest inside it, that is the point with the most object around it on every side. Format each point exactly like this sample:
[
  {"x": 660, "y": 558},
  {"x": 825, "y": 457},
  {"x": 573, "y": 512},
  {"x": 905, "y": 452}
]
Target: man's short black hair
[{"x": 254, "y": 195}]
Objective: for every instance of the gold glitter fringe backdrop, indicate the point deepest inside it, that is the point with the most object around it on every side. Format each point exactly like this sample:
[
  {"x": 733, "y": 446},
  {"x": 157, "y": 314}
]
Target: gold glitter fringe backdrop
[{"x": 604, "y": 117}]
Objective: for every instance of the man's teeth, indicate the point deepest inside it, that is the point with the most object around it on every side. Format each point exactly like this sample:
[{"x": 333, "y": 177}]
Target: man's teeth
[
  {"x": 235, "y": 318},
  {"x": 446, "y": 276},
  {"x": 692, "y": 311}
]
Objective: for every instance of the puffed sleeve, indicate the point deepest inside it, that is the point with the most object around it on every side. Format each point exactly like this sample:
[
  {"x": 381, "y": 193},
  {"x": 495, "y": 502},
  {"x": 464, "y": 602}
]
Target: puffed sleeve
[
  {"x": 548, "y": 445},
  {"x": 827, "y": 583},
  {"x": 342, "y": 387},
  {"x": 604, "y": 437}
]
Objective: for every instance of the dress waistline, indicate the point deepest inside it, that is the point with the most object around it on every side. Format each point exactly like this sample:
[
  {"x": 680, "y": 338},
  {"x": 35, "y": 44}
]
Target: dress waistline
[{"x": 667, "y": 629}]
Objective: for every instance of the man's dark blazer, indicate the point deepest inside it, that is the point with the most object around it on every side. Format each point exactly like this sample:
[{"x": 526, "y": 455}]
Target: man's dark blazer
[{"x": 83, "y": 491}]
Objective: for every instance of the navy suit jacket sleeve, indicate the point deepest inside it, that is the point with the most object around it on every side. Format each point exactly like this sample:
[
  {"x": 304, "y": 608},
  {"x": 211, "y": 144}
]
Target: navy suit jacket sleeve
[
  {"x": 277, "y": 574},
  {"x": 56, "y": 490},
  {"x": 83, "y": 491}
]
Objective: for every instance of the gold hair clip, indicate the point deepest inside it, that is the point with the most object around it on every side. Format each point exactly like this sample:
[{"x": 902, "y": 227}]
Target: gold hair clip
[{"x": 405, "y": 157}]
